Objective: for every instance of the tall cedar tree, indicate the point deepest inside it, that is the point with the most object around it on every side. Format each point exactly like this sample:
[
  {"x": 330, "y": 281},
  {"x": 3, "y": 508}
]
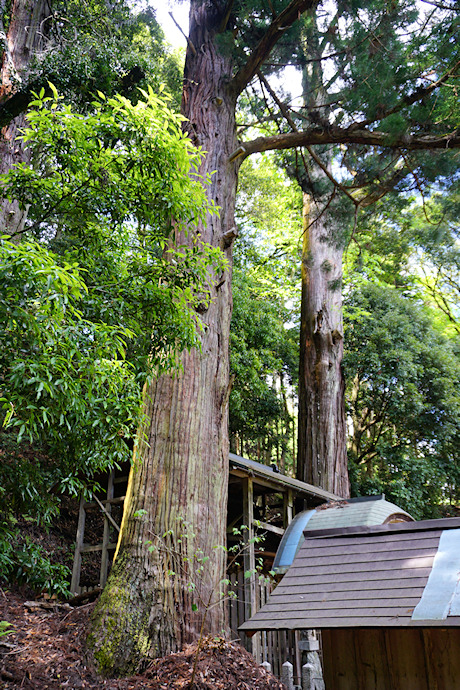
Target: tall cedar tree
[
  {"x": 321, "y": 428},
  {"x": 322, "y": 452},
  {"x": 180, "y": 470},
  {"x": 23, "y": 31}
]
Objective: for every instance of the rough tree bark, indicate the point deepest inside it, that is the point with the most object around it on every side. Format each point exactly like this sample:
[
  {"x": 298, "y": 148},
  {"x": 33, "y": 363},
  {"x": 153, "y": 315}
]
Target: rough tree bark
[
  {"x": 322, "y": 434},
  {"x": 321, "y": 455},
  {"x": 22, "y": 38},
  {"x": 181, "y": 474}
]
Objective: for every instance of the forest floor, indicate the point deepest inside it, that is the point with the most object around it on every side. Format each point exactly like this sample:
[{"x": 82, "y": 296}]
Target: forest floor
[{"x": 45, "y": 650}]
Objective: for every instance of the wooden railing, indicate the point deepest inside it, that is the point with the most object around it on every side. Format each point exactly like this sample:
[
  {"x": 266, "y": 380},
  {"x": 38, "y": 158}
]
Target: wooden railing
[{"x": 274, "y": 647}]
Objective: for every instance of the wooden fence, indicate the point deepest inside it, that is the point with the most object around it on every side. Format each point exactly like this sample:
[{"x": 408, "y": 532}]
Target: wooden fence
[{"x": 274, "y": 647}]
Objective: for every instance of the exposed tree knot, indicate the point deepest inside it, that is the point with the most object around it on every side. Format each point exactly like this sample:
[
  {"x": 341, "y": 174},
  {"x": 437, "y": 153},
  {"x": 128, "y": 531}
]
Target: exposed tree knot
[
  {"x": 229, "y": 236},
  {"x": 203, "y": 305},
  {"x": 336, "y": 336},
  {"x": 319, "y": 321},
  {"x": 226, "y": 394}
]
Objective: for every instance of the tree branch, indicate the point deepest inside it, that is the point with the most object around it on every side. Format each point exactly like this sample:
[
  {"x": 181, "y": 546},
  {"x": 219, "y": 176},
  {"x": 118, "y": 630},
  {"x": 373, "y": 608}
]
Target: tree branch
[
  {"x": 349, "y": 135},
  {"x": 418, "y": 95},
  {"x": 274, "y": 32},
  {"x": 189, "y": 42}
]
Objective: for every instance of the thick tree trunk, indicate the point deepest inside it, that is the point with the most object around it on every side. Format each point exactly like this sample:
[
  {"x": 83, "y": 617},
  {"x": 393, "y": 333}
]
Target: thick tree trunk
[
  {"x": 322, "y": 457},
  {"x": 22, "y": 38},
  {"x": 179, "y": 478}
]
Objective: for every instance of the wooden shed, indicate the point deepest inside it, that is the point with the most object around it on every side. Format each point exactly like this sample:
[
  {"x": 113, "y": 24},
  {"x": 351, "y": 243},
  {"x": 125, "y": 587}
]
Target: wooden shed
[{"x": 386, "y": 600}]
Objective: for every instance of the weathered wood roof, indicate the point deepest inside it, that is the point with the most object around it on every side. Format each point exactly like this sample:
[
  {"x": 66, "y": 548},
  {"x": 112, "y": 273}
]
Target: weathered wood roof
[
  {"x": 396, "y": 575},
  {"x": 275, "y": 480}
]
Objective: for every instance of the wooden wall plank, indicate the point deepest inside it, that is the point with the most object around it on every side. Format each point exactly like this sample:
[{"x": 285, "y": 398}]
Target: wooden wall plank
[
  {"x": 352, "y": 545},
  {"x": 362, "y": 566},
  {"x": 378, "y": 575},
  {"x": 442, "y": 654},
  {"x": 373, "y": 536},
  {"x": 408, "y": 658},
  {"x": 315, "y": 588},
  {"x": 312, "y": 560},
  {"x": 397, "y": 659},
  {"x": 351, "y": 604},
  {"x": 371, "y": 661},
  {"x": 302, "y": 622},
  {"x": 358, "y": 593}
]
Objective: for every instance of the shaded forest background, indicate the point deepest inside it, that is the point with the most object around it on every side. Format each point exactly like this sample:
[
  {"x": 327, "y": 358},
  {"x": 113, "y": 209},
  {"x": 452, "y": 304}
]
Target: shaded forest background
[{"x": 400, "y": 347}]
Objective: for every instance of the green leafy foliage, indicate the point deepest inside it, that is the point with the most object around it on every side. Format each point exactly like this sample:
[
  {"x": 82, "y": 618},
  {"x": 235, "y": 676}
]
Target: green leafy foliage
[
  {"x": 65, "y": 380},
  {"x": 436, "y": 231},
  {"x": 26, "y": 563},
  {"x": 403, "y": 381},
  {"x": 5, "y": 628},
  {"x": 113, "y": 48},
  {"x": 103, "y": 297},
  {"x": 263, "y": 341}
]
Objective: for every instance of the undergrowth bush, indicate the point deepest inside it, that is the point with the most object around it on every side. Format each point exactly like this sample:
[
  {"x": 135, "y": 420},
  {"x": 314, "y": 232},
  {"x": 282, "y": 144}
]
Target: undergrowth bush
[{"x": 26, "y": 563}]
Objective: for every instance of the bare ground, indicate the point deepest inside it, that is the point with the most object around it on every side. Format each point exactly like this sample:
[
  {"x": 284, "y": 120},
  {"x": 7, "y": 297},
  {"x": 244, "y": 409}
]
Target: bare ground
[{"x": 46, "y": 651}]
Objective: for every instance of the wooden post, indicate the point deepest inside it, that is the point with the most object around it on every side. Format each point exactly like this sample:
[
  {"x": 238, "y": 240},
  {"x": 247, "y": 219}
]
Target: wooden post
[
  {"x": 297, "y": 655},
  {"x": 249, "y": 561},
  {"x": 288, "y": 499},
  {"x": 75, "y": 583},
  {"x": 106, "y": 537}
]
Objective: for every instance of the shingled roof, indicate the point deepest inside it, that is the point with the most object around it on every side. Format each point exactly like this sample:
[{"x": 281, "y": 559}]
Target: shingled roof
[{"x": 396, "y": 575}]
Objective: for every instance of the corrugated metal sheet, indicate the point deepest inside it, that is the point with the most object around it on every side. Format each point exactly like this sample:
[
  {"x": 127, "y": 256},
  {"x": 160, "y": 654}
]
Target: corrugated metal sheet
[
  {"x": 369, "y": 510},
  {"x": 364, "y": 577},
  {"x": 291, "y": 541},
  {"x": 373, "y": 510}
]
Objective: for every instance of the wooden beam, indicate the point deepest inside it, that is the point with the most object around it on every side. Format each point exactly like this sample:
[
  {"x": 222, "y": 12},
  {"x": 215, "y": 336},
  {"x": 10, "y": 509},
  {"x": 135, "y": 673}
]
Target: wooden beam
[
  {"x": 94, "y": 548},
  {"x": 272, "y": 528},
  {"x": 288, "y": 507},
  {"x": 106, "y": 513},
  {"x": 112, "y": 501},
  {"x": 249, "y": 560},
  {"x": 75, "y": 583}
]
